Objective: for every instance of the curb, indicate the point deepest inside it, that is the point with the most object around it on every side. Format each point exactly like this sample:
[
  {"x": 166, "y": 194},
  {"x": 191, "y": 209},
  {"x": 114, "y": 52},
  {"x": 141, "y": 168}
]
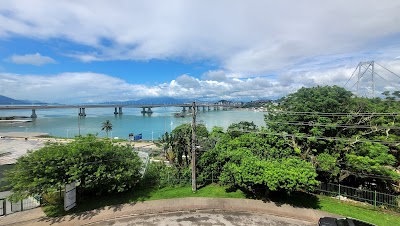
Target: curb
[{"x": 180, "y": 205}]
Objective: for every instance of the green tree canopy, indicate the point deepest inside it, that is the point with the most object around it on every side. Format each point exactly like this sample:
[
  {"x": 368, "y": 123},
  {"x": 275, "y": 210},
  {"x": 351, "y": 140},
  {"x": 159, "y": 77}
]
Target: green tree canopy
[
  {"x": 97, "y": 165},
  {"x": 257, "y": 160},
  {"x": 179, "y": 142},
  {"x": 342, "y": 135}
]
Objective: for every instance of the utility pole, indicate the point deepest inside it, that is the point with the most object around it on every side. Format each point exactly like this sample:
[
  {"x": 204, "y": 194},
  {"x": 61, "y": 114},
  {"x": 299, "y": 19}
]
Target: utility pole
[
  {"x": 194, "y": 186},
  {"x": 79, "y": 125}
]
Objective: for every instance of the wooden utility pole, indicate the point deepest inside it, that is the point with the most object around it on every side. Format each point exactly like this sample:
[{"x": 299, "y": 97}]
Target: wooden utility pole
[{"x": 194, "y": 186}]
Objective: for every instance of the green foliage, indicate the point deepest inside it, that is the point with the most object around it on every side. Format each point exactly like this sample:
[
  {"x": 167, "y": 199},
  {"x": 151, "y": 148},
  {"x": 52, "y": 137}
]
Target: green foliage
[
  {"x": 288, "y": 174},
  {"x": 160, "y": 175},
  {"x": 179, "y": 142},
  {"x": 97, "y": 165},
  {"x": 328, "y": 163},
  {"x": 237, "y": 129},
  {"x": 254, "y": 160},
  {"x": 338, "y": 144}
]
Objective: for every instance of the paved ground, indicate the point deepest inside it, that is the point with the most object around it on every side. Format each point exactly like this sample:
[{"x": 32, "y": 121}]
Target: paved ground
[
  {"x": 157, "y": 212},
  {"x": 204, "y": 218},
  {"x": 13, "y": 145},
  {"x": 13, "y": 148}
]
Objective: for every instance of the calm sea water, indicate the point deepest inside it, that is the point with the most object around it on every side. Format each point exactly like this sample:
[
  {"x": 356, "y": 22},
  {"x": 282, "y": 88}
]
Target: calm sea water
[{"x": 65, "y": 122}]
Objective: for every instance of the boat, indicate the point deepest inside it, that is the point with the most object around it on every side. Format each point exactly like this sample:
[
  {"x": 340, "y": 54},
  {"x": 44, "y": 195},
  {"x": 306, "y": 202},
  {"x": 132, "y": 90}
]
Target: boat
[{"x": 179, "y": 115}]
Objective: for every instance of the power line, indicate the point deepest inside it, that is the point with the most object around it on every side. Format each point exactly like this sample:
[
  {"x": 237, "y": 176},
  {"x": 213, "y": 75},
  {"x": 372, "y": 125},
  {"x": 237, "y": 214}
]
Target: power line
[
  {"x": 317, "y": 124},
  {"x": 353, "y": 140},
  {"x": 354, "y": 114},
  {"x": 375, "y": 176}
]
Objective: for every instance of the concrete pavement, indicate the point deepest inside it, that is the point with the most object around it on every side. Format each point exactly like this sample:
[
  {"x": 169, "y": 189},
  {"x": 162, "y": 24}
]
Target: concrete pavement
[
  {"x": 203, "y": 218},
  {"x": 36, "y": 217}
]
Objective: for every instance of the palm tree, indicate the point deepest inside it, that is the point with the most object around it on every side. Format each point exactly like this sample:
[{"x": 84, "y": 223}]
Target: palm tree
[{"x": 107, "y": 126}]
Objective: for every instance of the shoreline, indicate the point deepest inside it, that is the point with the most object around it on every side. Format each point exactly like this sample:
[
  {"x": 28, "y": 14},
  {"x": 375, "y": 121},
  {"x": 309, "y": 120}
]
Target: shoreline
[{"x": 41, "y": 137}]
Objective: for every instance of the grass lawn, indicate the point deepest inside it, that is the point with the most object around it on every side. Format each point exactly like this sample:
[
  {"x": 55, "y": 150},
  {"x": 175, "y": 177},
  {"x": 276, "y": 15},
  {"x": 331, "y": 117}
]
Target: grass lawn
[
  {"x": 365, "y": 213},
  {"x": 143, "y": 194}
]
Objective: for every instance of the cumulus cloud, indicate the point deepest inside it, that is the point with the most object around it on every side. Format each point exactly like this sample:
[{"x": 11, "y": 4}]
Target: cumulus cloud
[
  {"x": 33, "y": 59},
  {"x": 218, "y": 75},
  {"x": 242, "y": 38},
  {"x": 187, "y": 81},
  {"x": 79, "y": 86}
]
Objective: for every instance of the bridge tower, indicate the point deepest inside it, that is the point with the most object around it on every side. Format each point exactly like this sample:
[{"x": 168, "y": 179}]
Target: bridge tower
[{"x": 368, "y": 80}]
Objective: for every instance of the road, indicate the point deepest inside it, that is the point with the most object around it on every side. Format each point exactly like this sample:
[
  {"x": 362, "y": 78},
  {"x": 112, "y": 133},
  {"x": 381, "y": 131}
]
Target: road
[{"x": 204, "y": 218}]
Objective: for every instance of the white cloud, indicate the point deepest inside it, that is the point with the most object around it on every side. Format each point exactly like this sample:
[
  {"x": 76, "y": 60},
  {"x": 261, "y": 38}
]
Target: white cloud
[
  {"x": 187, "y": 81},
  {"x": 242, "y": 38},
  {"x": 79, "y": 86},
  {"x": 33, "y": 59},
  {"x": 218, "y": 75}
]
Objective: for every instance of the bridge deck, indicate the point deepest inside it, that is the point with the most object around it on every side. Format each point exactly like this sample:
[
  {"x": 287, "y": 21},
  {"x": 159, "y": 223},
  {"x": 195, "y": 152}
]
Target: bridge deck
[{"x": 22, "y": 107}]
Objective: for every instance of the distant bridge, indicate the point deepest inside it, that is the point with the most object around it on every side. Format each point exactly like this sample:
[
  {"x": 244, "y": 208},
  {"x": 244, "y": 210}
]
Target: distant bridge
[
  {"x": 147, "y": 108},
  {"x": 366, "y": 79}
]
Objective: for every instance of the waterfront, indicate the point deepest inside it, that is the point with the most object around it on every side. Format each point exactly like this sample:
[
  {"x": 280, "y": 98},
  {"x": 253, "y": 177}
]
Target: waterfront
[{"x": 65, "y": 122}]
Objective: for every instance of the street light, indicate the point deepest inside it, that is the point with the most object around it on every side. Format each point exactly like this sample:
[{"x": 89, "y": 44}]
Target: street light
[
  {"x": 67, "y": 133},
  {"x": 165, "y": 120}
]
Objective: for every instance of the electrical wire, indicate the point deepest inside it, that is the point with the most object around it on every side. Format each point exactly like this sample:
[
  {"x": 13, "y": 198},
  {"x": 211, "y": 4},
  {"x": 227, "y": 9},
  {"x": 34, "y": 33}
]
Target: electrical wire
[
  {"x": 317, "y": 124},
  {"x": 323, "y": 137},
  {"x": 316, "y": 113}
]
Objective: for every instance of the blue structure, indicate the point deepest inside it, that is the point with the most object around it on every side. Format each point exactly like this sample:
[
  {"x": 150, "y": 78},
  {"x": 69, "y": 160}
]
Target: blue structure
[{"x": 138, "y": 137}]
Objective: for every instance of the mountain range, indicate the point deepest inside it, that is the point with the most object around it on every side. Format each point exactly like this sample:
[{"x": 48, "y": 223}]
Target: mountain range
[
  {"x": 10, "y": 101},
  {"x": 155, "y": 100}
]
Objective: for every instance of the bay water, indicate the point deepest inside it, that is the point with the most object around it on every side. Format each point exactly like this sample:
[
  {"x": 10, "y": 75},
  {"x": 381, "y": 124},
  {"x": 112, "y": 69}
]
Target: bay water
[{"x": 67, "y": 123}]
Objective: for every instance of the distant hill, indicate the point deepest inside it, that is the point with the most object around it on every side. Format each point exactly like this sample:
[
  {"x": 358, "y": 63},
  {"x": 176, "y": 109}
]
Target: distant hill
[
  {"x": 161, "y": 100},
  {"x": 10, "y": 101},
  {"x": 153, "y": 100}
]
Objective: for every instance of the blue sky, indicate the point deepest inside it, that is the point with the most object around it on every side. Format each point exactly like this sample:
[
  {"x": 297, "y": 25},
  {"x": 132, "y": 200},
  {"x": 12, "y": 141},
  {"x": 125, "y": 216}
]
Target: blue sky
[{"x": 90, "y": 51}]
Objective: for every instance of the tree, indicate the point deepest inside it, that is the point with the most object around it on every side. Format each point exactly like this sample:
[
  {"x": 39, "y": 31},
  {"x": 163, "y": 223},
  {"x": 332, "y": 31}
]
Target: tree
[
  {"x": 286, "y": 174},
  {"x": 107, "y": 126},
  {"x": 331, "y": 128},
  {"x": 257, "y": 161},
  {"x": 179, "y": 140},
  {"x": 97, "y": 165},
  {"x": 237, "y": 129}
]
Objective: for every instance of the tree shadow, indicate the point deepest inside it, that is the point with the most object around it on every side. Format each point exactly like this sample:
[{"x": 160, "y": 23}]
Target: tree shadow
[
  {"x": 295, "y": 199},
  {"x": 89, "y": 206}
]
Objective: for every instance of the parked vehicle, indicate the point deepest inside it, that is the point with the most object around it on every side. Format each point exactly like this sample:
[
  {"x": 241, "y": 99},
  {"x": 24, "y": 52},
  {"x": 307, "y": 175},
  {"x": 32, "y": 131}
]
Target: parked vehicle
[{"x": 331, "y": 221}]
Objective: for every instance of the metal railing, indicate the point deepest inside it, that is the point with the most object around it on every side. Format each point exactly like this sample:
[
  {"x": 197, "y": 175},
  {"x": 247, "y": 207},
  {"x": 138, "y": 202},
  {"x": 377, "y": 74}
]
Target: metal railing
[
  {"x": 2, "y": 207},
  {"x": 7, "y": 207},
  {"x": 372, "y": 197},
  {"x": 340, "y": 191}
]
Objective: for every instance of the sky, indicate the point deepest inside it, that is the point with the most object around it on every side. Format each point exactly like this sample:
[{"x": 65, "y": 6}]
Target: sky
[{"x": 71, "y": 51}]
